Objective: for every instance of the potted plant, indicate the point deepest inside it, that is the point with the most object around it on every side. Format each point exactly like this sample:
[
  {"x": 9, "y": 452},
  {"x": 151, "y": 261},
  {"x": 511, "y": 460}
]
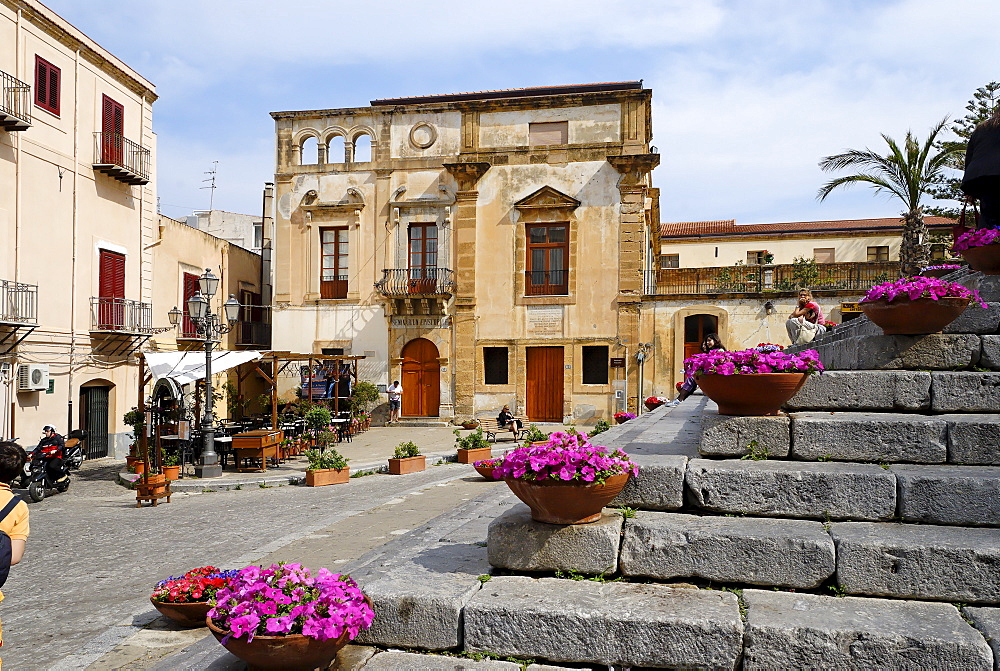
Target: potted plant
[
  {"x": 407, "y": 459},
  {"x": 171, "y": 467},
  {"x": 654, "y": 402},
  {"x": 751, "y": 382},
  {"x": 472, "y": 447},
  {"x": 535, "y": 435},
  {"x": 981, "y": 248},
  {"x": 940, "y": 270},
  {"x": 186, "y": 599},
  {"x": 622, "y": 417},
  {"x": 767, "y": 257},
  {"x": 326, "y": 468},
  {"x": 288, "y": 617},
  {"x": 567, "y": 480},
  {"x": 916, "y": 305},
  {"x": 317, "y": 418},
  {"x": 470, "y": 423},
  {"x": 485, "y": 467},
  {"x": 601, "y": 426}
]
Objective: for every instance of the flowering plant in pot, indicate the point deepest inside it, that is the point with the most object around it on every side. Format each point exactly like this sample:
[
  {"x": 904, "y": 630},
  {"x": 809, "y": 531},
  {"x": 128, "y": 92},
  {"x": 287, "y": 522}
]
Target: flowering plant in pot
[
  {"x": 916, "y": 305},
  {"x": 567, "y": 480},
  {"x": 470, "y": 423},
  {"x": 768, "y": 347},
  {"x": 622, "y": 417},
  {"x": 327, "y": 467},
  {"x": 485, "y": 466},
  {"x": 472, "y": 447},
  {"x": 186, "y": 599},
  {"x": 751, "y": 382},
  {"x": 407, "y": 459},
  {"x": 288, "y": 617},
  {"x": 981, "y": 248},
  {"x": 940, "y": 270},
  {"x": 654, "y": 402}
]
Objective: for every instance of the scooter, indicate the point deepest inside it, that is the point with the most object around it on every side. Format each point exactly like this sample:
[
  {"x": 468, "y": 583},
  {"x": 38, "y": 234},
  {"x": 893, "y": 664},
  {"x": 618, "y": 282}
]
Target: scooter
[{"x": 36, "y": 472}]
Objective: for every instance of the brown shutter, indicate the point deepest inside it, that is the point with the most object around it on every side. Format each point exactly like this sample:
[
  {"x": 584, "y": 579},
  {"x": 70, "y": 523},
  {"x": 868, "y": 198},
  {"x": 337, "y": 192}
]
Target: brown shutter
[{"x": 47, "y": 78}]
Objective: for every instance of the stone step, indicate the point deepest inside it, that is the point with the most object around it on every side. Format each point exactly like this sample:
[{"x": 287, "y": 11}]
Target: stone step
[
  {"x": 627, "y": 624},
  {"x": 884, "y": 390},
  {"x": 987, "y": 621},
  {"x": 938, "y": 351},
  {"x": 918, "y": 561},
  {"x": 949, "y": 495},
  {"x": 806, "y": 631}
]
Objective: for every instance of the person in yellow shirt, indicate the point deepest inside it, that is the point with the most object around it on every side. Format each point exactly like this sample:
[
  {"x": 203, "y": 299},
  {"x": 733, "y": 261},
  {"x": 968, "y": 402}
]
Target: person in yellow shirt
[{"x": 15, "y": 523}]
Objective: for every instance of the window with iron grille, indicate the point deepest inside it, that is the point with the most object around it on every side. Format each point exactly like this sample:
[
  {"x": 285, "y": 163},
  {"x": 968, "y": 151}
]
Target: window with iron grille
[
  {"x": 495, "y": 365},
  {"x": 670, "y": 261},
  {"x": 548, "y": 260},
  {"x": 47, "y": 80},
  {"x": 878, "y": 253},
  {"x": 333, "y": 273},
  {"x": 595, "y": 364}
]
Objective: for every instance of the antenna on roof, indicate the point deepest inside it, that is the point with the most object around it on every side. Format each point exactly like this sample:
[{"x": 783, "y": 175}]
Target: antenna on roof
[{"x": 211, "y": 178}]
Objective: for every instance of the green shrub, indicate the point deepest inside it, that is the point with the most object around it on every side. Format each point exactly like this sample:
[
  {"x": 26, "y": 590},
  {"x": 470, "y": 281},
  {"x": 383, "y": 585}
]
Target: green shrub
[
  {"x": 601, "y": 426},
  {"x": 406, "y": 450},
  {"x": 472, "y": 441},
  {"x": 323, "y": 460},
  {"x": 535, "y": 434},
  {"x": 317, "y": 417}
]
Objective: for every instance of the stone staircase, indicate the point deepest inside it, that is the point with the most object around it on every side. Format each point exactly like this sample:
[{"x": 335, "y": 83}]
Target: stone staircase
[{"x": 859, "y": 530}]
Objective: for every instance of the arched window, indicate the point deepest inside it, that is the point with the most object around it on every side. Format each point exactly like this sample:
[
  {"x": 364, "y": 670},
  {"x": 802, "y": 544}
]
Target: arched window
[
  {"x": 310, "y": 151},
  {"x": 362, "y": 148},
  {"x": 336, "y": 150}
]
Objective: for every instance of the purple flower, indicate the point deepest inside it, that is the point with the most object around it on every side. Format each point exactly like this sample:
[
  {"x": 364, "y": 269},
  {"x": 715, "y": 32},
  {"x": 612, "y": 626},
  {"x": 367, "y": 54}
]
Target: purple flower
[
  {"x": 913, "y": 288},
  {"x": 749, "y": 361},
  {"x": 565, "y": 457},
  {"x": 977, "y": 238}
]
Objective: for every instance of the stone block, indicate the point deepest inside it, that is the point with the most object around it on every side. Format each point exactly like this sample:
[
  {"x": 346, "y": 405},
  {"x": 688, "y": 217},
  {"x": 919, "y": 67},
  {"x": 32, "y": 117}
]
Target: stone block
[
  {"x": 987, "y": 621},
  {"x": 965, "y": 392},
  {"x": 924, "y": 352},
  {"x": 397, "y": 660},
  {"x": 973, "y": 439},
  {"x": 988, "y": 286},
  {"x": 956, "y": 495},
  {"x": 809, "y": 631},
  {"x": 873, "y": 436},
  {"x": 817, "y": 490},
  {"x": 990, "y": 357},
  {"x": 605, "y": 623},
  {"x": 976, "y": 319},
  {"x": 864, "y": 390},
  {"x": 659, "y": 485},
  {"x": 519, "y": 543},
  {"x": 788, "y": 553},
  {"x": 725, "y": 436},
  {"x": 918, "y": 561}
]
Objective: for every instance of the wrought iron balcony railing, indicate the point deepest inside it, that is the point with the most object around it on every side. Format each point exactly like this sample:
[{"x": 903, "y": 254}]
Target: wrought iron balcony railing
[
  {"x": 859, "y": 276},
  {"x": 121, "y": 158},
  {"x": 121, "y": 315},
  {"x": 254, "y": 326},
  {"x": 403, "y": 282},
  {"x": 15, "y": 103},
  {"x": 18, "y": 302},
  {"x": 546, "y": 282}
]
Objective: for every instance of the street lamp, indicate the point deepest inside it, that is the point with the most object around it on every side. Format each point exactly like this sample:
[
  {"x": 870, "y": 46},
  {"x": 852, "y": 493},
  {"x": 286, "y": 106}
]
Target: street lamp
[{"x": 208, "y": 326}]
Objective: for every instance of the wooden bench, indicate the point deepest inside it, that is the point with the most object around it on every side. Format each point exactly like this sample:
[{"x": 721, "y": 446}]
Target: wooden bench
[{"x": 493, "y": 430}]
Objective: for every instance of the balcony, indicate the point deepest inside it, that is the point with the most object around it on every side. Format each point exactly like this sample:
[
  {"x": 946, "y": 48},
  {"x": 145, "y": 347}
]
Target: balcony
[
  {"x": 18, "y": 313},
  {"x": 121, "y": 158},
  {"x": 15, "y": 103},
  {"x": 410, "y": 282},
  {"x": 121, "y": 315},
  {"x": 546, "y": 282},
  {"x": 254, "y": 327},
  {"x": 849, "y": 277}
]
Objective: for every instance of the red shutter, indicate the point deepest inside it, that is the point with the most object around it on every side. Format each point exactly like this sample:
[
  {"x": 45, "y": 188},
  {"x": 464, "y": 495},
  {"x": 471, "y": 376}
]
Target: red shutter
[
  {"x": 54, "y": 77},
  {"x": 47, "y": 78},
  {"x": 112, "y": 130},
  {"x": 41, "y": 82},
  {"x": 190, "y": 287},
  {"x": 111, "y": 287}
]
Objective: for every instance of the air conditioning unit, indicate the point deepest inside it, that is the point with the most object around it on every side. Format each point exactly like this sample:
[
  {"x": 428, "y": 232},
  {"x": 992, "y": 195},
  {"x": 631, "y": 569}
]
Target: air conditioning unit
[{"x": 33, "y": 377}]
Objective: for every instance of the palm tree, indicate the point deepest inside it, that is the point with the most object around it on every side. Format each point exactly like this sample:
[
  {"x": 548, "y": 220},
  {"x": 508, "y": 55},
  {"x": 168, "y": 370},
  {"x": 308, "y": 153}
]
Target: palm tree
[{"x": 905, "y": 173}]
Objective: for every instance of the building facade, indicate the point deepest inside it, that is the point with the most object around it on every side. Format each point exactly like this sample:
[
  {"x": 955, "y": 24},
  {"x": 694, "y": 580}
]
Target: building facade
[
  {"x": 77, "y": 203},
  {"x": 485, "y": 249}
]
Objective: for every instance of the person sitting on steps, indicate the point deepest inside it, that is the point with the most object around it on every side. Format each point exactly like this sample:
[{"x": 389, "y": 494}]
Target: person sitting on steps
[
  {"x": 711, "y": 342},
  {"x": 806, "y": 321}
]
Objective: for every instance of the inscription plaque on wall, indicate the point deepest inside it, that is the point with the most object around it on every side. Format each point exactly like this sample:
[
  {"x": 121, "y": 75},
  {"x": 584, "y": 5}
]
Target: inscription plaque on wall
[
  {"x": 544, "y": 320},
  {"x": 421, "y": 322},
  {"x": 617, "y": 362}
]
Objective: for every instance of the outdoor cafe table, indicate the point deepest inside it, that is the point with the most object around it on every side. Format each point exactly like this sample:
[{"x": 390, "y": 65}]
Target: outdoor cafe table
[{"x": 260, "y": 444}]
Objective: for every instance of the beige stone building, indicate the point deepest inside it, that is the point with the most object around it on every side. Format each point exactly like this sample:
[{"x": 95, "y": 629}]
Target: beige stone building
[
  {"x": 77, "y": 204},
  {"x": 740, "y": 281},
  {"x": 484, "y": 248}
]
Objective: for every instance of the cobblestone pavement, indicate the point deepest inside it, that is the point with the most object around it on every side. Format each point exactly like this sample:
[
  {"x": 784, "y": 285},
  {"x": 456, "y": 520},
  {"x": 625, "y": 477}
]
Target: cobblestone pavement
[{"x": 93, "y": 557}]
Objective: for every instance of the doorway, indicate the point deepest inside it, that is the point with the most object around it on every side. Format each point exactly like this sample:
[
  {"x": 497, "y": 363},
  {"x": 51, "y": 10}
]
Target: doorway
[
  {"x": 696, "y": 327},
  {"x": 421, "y": 379},
  {"x": 94, "y": 410},
  {"x": 544, "y": 392}
]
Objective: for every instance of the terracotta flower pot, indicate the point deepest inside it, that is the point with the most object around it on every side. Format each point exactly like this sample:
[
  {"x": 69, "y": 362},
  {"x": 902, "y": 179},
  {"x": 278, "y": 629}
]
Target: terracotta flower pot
[
  {"x": 294, "y": 652},
  {"x": 559, "y": 502},
  {"x": 751, "y": 394},
  {"x": 131, "y": 461},
  {"x": 172, "y": 472},
  {"x": 327, "y": 476},
  {"x": 485, "y": 471},
  {"x": 919, "y": 317},
  {"x": 408, "y": 465},
  {"x": 469, "y": 425},
  {"x": 139, "y": 467},
  {"x": 185, "y": 614},
  {"x": 466, "y": 456},
  {"x": 621, "y": 420},
  {"x": 652, "y": 406},
  {"x": 985, "y": 259}
]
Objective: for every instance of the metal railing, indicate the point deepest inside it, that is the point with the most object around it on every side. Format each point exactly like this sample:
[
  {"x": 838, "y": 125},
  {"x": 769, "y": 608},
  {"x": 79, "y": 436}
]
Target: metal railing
[
  {"x": 122, "y": 158},
  {"x": 401, "y": 282},
  {"x": 120, "y": 314},
  {"x": 858, "y": 276},
  {"x": 18, "y": 302},
  {"x": 254, "y": 326},
  {"x": 15, "y": 102},
  {"x": 546, "y": 282}
]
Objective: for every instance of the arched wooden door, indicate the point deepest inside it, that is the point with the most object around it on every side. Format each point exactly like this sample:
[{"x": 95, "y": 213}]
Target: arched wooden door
[
  {"x": 421, "y": 379},
  {"x": 696, "y": 327}
]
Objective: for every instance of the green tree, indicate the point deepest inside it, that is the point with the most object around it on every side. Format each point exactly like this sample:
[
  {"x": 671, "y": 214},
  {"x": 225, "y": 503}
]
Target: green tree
[
  {"x": 905, "y": 172},
  {"x": 948, "y": 186}
]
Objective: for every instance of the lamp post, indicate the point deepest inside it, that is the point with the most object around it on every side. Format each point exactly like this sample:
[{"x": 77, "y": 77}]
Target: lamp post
[{"x": 208, "y": 325}]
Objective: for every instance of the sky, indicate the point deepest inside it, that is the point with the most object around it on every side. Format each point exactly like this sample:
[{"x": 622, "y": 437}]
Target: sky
[{"x": 748, "y": 95}]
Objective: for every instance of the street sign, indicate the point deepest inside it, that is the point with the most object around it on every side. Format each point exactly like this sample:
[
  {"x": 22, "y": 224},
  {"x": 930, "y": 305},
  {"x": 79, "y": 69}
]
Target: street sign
[{"x": 617, "y": 362}]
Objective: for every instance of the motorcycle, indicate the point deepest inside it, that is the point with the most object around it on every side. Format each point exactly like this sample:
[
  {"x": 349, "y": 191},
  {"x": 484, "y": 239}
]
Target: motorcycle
[{"x": 36, "y": 472}]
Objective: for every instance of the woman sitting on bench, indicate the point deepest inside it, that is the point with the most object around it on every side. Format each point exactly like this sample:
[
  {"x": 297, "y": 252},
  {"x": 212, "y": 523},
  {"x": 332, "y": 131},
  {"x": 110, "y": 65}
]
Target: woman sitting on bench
[{"x": 506, "y": 420}]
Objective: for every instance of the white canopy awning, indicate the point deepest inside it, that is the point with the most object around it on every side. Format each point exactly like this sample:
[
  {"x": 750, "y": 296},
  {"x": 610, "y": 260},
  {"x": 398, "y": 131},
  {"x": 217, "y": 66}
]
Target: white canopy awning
[{"x": 186, "y": 367}]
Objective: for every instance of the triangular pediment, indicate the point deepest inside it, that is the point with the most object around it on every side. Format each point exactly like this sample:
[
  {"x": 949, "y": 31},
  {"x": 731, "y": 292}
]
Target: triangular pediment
[{"x": 547, "y": 198}]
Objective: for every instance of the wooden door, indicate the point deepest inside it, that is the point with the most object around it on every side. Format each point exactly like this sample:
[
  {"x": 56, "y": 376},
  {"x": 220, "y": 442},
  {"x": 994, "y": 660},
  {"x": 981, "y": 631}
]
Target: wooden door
[
  {"x": 112, "y": 131},
  {"x": 421, "y": 379},
  {"x": 696, "y": 327},
  {"x": 544, "y": 395}
]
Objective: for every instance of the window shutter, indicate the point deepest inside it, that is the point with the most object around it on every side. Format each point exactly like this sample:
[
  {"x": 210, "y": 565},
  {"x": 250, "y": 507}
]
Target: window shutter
[
  {"x": 41, "y": 82},
  {"x": 111, "y": 282},
  {"x": 54, "y": 89},
  {"x": 47, "y": 78}
]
